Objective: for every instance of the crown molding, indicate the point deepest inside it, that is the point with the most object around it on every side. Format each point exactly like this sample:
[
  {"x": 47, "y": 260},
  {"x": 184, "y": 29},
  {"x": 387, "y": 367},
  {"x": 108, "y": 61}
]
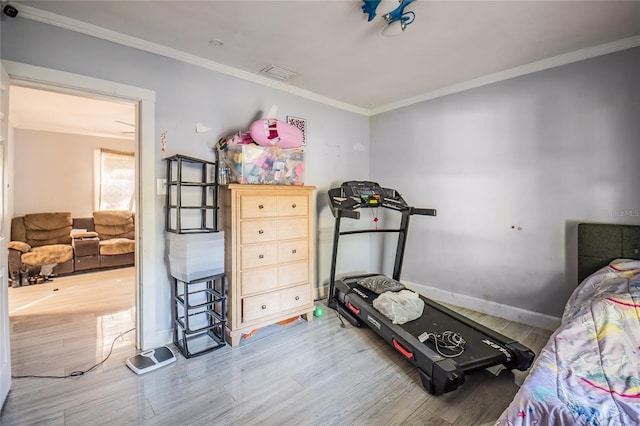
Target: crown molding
[
  {"x": 137, "y": 43},
  {"x": 552, "y": 62},
  {"x": 140, "y": 44}
]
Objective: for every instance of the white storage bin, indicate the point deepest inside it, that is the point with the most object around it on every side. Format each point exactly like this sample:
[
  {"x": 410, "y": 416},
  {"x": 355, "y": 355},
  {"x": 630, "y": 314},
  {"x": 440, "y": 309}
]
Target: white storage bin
[
  {"x": 196, "y": 255},
  {"x": 191, "y": 268},
  {"x": 197, "y": 244}
]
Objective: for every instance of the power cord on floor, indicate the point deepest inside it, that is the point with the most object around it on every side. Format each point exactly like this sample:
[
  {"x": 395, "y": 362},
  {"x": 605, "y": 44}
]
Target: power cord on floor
[
  {"x": 337, "y": 312},
  {"x": 78, "y": 373},
  {"x": 452, "y": 342},
  {"x": 340, "y": 317}
]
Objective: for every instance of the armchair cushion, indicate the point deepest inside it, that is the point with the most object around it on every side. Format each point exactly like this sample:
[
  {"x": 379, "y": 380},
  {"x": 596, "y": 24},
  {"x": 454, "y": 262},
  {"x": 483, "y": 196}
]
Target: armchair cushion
[
  {"x": 43, "y": 229},
  {"x": 117, "y": 246},
  {"x": 19, "y": 245},
  {"x": 53, "y": 253},
  {"x": 114, "y": 224}
]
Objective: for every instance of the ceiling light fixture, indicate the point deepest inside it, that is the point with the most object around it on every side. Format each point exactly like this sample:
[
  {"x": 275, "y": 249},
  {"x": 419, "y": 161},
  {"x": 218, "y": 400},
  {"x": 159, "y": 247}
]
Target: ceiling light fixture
[{"x": 397, "y": 19}]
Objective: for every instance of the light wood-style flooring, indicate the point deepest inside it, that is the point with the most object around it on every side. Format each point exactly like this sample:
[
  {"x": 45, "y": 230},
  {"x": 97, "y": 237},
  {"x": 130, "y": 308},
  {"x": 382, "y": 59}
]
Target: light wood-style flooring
[{"x": 303, "y": 373}]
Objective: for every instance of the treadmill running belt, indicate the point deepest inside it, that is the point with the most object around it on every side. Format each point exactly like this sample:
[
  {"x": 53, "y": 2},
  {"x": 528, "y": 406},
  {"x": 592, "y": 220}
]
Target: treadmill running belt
[{"x": 476, "y": 352}]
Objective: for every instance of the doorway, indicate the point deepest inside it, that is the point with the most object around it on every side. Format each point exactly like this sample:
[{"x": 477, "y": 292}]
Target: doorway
[
  {"x": 149, "y": 333},
  {"x": 58, "y": 143}
]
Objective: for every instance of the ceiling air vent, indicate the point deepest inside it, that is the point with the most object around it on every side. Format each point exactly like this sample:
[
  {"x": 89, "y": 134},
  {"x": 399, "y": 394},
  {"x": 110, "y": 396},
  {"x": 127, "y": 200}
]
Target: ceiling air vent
[{"x": 277, "y": 72}]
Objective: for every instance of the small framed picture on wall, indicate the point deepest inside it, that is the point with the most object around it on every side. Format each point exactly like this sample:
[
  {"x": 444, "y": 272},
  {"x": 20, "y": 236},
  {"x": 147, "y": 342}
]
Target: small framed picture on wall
[{"x": 301, "y": 124}]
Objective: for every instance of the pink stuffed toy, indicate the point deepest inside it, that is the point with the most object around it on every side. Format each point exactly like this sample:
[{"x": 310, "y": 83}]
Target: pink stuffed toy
[{"x": 273, "y": 132}]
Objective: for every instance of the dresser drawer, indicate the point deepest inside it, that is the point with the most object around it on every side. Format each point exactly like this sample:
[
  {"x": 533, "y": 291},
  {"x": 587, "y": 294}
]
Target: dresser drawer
[
  {"x": 258, "y": 231},
  {"x": 295, "y": 297},
  {"x": 293, "y": 205},
  {"x": 290, "y": 251},
  {"x": 259, "y": 255},
  {"x": 292, "y": 273},
  {"x": 257, "y": 206},
  {"x": 293, "y": 228},
  {"x": 259, "y": 279},
  {"x": 263, "y": 305}
]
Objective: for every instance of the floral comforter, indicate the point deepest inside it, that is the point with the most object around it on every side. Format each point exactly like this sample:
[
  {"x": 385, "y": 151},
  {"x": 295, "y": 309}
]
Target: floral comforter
[{"x": 589, "y": 371}]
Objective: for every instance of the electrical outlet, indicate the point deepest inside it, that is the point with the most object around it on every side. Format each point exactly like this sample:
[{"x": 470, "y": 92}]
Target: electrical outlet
[{"x": 162, "y": 186}]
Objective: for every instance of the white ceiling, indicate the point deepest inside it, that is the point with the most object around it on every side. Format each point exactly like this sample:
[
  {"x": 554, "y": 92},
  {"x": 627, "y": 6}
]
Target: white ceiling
[
  {"x": 36, "y": 109},
  {"x": 340, "y": 58}
]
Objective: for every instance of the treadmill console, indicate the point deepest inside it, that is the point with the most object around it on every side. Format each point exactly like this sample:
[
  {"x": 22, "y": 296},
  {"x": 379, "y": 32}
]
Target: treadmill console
[
  {"x": 369, "y": 194},
  {"x": 352, "y": 195}
]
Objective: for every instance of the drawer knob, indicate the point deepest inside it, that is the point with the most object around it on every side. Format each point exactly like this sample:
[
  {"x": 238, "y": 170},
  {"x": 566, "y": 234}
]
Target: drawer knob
[
  {"x": 264, "y": 306},
  {"x": 261, "y": 232},
  {"x": 261, "y": 256},
  {"x": 261, "y": 207},
  {"x": 294, "y": 251},
  {"x": 297, "y": 297},
  {"x": 293, "y": 206}
]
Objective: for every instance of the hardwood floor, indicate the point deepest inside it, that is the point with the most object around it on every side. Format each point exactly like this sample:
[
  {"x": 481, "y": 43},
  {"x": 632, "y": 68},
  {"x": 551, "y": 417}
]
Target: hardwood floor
[
  {"x": 59, "y": 326},
  {"x": 303, "y": 373}
]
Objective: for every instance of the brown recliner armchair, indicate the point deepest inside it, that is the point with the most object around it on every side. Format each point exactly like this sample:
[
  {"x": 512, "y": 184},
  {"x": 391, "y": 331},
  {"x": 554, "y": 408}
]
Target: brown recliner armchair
[
  {"x": 116, "y": 231},
  {"x": 40, "y": 241}
]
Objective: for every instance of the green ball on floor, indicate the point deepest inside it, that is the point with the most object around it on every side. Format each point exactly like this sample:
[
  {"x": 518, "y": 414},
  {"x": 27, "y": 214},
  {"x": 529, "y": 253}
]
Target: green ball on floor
[{"x": 318, "y": 311}]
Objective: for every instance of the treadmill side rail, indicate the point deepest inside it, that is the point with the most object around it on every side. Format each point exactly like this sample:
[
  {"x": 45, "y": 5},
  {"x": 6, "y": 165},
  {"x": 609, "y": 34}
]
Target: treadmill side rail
[{"x": 523, "y": 356}]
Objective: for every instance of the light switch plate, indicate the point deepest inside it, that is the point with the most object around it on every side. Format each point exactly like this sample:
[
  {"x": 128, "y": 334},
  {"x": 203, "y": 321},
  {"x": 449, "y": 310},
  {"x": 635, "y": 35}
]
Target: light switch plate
[{"x": 162, "y": 186}]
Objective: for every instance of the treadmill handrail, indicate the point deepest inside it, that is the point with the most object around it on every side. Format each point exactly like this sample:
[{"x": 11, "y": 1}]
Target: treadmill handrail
[
  {"x": 355, "y": 214},
  {"x": 351, "y": 214},
  {"x": 423, "y": 212},
  {"x": 349, "y": 208}
]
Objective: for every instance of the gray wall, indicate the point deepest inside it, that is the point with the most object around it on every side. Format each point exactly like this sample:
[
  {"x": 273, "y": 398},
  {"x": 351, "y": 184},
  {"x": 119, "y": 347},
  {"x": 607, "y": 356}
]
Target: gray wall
[
  {"x": 338, "y": 141},
  {"x": 539, "y": 152},
  {"x": 55, "y": 171}
]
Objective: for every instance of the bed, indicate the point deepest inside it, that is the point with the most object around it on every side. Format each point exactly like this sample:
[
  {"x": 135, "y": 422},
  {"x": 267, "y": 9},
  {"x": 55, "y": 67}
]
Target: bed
[{"x": 588, "y": 373}]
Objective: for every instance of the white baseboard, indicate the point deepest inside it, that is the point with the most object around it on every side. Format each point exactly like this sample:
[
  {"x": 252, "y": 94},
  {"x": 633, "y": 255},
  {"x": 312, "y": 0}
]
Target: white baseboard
[{"x": 511, "y": 313}]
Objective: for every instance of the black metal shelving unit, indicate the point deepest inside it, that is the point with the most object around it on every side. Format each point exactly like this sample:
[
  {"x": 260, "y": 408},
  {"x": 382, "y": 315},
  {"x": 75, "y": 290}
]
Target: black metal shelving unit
[
  {"x": 203, "y": 188},
  {"x": 199, "y": 312},
  {"x": 199, "y": 304}
]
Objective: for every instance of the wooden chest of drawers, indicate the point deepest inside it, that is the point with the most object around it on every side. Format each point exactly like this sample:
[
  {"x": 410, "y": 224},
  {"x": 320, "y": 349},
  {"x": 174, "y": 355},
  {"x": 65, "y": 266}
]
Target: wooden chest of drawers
[{"x": 269, "y": 246}]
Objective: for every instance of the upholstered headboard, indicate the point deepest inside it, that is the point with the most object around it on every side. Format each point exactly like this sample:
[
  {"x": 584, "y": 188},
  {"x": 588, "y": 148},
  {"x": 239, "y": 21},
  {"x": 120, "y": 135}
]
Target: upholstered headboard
[{"x": 599, "y": 244}]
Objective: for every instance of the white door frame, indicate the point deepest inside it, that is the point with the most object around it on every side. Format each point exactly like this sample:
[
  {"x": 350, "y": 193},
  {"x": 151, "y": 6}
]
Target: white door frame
[
  {"x": 146, "y": 200},
  {"x": 5, "y": 350}
]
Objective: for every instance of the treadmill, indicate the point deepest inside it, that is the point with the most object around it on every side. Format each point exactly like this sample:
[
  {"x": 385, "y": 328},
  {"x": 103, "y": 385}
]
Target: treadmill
[{"x": 439, "y": 371}]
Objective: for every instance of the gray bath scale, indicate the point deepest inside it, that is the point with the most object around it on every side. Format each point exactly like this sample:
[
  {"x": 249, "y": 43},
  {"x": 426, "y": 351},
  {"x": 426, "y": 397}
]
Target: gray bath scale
[{"x": 151, "y": 360}]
